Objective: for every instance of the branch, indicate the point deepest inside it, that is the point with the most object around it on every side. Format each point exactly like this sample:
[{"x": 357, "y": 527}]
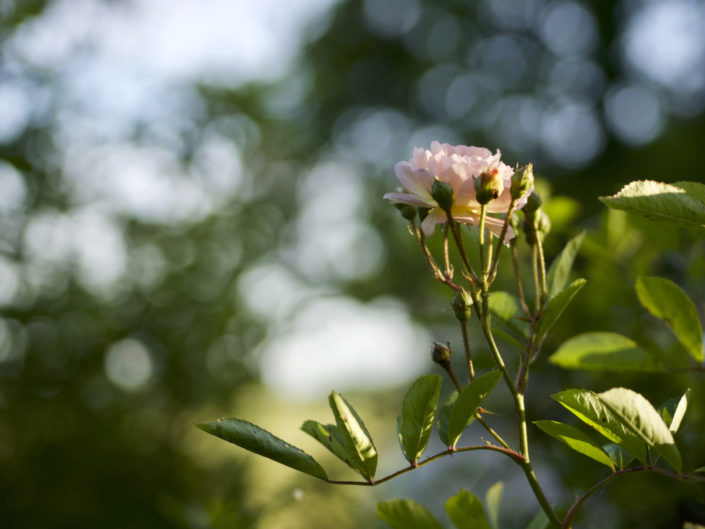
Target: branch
[{"x": 516, "y": 456}]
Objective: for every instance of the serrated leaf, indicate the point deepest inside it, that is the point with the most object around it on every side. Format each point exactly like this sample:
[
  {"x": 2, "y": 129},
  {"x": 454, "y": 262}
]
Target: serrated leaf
[
  {"x": 667, "y": 301},
  {"x": 575, "y": 439},
  {"x": 330, "y": 436},
  {"x": 639, "y": 414},
  {"x": 403, "y": 513},
  {"x": 357, "y": 440},
  {"x": 466, "y": 512},
  {"x": 444, "y": 417},
  {"x": 556, "y": 305},
  {"x": 255, "y": 439},
  {"x": 618, "y": 455},
  {"x": 673, "y": 410},
  {"x": 559, "y": 271},
  {"x": 540, "y": 521},
  {"x": 418, "y": 413},
  {"x": 493, "y": 498},
  {"x": 470, "y": 397},
  {"x": 605, "y": 351},
  {"x": 681, "y": 203},
  {"x": 590, "y": 409}
]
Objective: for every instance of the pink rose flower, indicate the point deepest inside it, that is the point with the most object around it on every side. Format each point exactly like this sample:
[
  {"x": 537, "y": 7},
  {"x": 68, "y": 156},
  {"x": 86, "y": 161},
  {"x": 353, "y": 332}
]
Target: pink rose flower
[{"x": 459, "y": 166}]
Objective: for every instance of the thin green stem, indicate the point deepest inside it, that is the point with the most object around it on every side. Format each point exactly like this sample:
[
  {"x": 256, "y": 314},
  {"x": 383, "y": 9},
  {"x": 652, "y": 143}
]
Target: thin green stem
[
  {"x": 515, "y": 456},
  {"x": 466, "y": 346},
  {"x": 517, "y": 276},
  {"x": 500, "y": 242},
  {"x": 481, "y": 227},
  {"x": 535, "y": 273},
  {"x": 542, "y": 268},
  {"x": 471, "y": 275},
  {"x": 435, "y": 270}
]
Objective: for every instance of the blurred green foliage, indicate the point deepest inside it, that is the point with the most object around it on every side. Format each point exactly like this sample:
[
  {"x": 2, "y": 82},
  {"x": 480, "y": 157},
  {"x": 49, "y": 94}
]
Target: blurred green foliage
[{"x": 78, "y": 450}]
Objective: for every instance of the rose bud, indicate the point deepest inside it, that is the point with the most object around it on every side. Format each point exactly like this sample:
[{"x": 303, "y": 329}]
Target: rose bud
[
  {"x": 442, "y": 192},
  {"x": 522, "y": 181},
  {"x": 462, "y": 305},
  {"x": 441, "y": 354},
  {"x": 488, "y": 186}
]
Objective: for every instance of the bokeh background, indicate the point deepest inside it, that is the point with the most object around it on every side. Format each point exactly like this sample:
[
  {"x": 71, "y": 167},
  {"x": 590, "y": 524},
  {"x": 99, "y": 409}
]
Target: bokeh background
[{"x": 192, "y": 227}]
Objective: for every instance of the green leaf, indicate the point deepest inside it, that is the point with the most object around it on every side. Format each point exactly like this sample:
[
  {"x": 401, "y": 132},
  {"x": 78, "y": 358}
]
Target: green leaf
[
  {"x": 330, "y": 436},
  {"x": 559, "y": 272},
  {"x": 556, "y": 305},
  {"x": 403, "y": 513},
  {"x": 681, "y": 203},
  {"x": 618, "y": 455},
  {"x": 673, "y": 410},
  {"x": 590, "y": 409},
  {"x": 466, "y": 512},
  {"x": 504, "y": 307},
  {"x": 418, "y": 413},
  {"x": 700, "y": 470},
  {"x": 540, "y": 521},
  {"x": 255, "y": 439},
  {"x": 606, "y": 351},
  {"x": 357, "y": 440},
  {"x": 638, "y": 414},
  {"x": 470, "y": 397},
  {"x": 492, "y": 499},
  {"x": 444, "y": 417},
  {"x": 667, "y": 301},
  {"x": 575, "y": 439}
]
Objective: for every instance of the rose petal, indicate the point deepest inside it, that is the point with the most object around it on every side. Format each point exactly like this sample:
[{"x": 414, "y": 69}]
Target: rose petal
[
  {"x": 435, "y": 216},
  {"x": 408, "y": 198},
  {"x": 416, "y": 181}
]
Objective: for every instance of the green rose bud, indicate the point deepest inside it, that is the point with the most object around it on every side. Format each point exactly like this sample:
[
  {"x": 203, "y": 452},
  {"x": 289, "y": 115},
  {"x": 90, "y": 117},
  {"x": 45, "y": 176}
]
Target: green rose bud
[
  {"x": 441, "y": 354},
  {"x": 462, "y": 305},
  {"x": 407, "y": 210},
  {"x": 442, "y": 193},
  {"x": 522, "y": 181},
  {"x": 543, "y": 224},
  {"x": 488, "y": 186}
]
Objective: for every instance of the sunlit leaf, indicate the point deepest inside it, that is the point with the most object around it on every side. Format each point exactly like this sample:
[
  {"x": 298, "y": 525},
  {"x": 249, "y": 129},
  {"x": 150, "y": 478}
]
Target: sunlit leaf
[
  {"x": 330, "y": 436},
  {"x": 559, "y": 272},
  {"x": 575, "y": 439},
  {"x": 470, "y": 397},
  {"x": 605, "y": 351},
  {"x": 673, "y": 410},
  {"x": 503, "y": 305},
  {"x": 255, "y": 439},
  {"x": 667, "y": 301},
  {"x": 618, "y": 455},
  {"x": 356, "y": 438},
  {"x": 700, "y": 470},
  {"x": 466, "y": 512},
  {"x": 589, "y": 408},
  {"x": 681, "y": 203},
  {"x": 640, "y": 415},
  {"x": 403, "y": 513},
  {"x": 444, "y": 417},
  {"x": 556, "y": 305},
  {"x": 417, "y": 416},
  {"x": 493, "y": 498}
]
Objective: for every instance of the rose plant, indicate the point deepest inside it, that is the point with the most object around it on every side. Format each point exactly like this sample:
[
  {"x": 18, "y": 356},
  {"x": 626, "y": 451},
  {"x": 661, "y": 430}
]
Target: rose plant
[{"x": 469, "y": 189}]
